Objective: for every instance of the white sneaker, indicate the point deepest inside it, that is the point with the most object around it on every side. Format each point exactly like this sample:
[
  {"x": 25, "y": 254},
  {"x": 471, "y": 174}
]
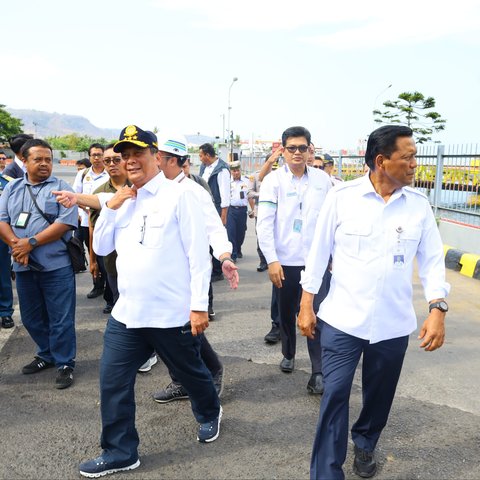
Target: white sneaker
[{"x": 147, "y": 366}]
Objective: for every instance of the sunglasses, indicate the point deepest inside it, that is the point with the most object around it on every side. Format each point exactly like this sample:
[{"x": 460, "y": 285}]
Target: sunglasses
[
  {"x": 317, "y": 166},
  {"x": 114, "y": 160},
  {"x": 294, "y": 148}
]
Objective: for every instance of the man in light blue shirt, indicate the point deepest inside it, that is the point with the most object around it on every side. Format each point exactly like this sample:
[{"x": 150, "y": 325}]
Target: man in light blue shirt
[{"x": 33, "y": 224}]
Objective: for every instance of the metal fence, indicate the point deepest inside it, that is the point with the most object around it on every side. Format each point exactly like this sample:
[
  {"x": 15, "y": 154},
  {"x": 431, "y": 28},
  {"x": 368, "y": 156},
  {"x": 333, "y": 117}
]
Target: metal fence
[{"x": 448, "y": 175}]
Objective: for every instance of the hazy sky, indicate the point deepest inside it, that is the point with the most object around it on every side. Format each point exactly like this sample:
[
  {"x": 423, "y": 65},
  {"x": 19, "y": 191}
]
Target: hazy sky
[{"x": 170, "y": 63}]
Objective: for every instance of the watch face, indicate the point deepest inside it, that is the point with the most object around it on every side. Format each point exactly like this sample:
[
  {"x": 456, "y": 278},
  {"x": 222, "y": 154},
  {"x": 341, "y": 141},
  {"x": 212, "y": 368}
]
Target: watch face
[{"x": 444, "y": 306}]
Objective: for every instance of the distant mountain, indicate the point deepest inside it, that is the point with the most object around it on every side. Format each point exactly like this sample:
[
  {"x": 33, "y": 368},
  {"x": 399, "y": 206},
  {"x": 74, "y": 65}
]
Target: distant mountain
[{"x": 45, "y": 124}]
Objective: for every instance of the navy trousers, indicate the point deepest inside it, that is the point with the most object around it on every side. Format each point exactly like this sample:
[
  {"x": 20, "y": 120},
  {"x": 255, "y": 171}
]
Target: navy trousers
[
  {"x": 381, "y": 367},
  {"x": 236, "y": 228},
  {"x": 6, "y": 293},
  {"x": 47, "y": 306},
  {"x": 124, "y": 351}
]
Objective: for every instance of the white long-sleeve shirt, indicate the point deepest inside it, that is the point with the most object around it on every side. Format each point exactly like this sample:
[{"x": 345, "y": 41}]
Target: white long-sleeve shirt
[
  {"x": 373, "y": 245},
  {"x": 163, "y": 259},
  {"x": 216, "y": 232},
  {"x": 287, "y": 213}
]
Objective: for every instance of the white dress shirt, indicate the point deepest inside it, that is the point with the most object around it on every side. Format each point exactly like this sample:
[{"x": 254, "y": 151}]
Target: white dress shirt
[
  {"x": 216, "y": 232},
  {"x": 87, "y": 182},
  {"x": 223, "y": 180},
  {"x": 373, "y": 245},
  {"x": 236, "y": 189},
  {"x": 287, "y": 213},
  {"x": 163, "y": 259}
]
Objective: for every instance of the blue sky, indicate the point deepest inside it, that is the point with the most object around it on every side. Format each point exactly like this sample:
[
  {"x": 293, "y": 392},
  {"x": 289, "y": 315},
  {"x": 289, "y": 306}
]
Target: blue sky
[{"x": 170, "y": 64}]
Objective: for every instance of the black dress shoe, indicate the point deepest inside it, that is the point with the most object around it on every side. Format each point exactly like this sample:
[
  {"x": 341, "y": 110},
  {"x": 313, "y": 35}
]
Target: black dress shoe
[
  {"x": 315, "y": 384},
  {"x": 262, "y": 267},
  {"x": 108, "y": 309},
  {"x": 273, "y": 336},
  {"x": 364, "y": 464},
  {"x": 7, "y": 322},
  {"x": 240, "y": 255},
  {"x": 95, "y": 292},
  {"x": 287, "y": 365}
]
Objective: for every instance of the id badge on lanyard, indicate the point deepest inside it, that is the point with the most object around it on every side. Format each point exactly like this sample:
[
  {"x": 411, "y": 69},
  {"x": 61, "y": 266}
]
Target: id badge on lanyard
[{"x": 399, "y": 251}]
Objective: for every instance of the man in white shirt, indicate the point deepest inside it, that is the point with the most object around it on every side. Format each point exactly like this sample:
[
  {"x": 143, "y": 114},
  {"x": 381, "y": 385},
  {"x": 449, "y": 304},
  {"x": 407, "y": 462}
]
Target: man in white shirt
[
  {"x": 173, "y": 154},
  {"x": 217, "y": 174},
  {"x": 163, "y": 264},
  {"x": 373, "y": 227},
  {"x": 290, "y": 201},
  {"x": 238, "y": 209},
  {"x": 86, "y": 181}
]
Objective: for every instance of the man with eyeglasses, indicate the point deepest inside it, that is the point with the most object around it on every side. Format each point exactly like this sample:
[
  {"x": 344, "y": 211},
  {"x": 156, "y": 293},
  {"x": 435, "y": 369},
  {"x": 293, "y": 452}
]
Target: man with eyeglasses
[
  {"x": 289, "y": 204},
  {"x": 86, "y": 182},
  {"x": 158, "y": 230}
]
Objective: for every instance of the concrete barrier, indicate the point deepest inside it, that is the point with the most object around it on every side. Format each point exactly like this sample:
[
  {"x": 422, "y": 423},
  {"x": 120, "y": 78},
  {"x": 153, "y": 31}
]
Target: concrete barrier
[{"x": 467, "y": 264}]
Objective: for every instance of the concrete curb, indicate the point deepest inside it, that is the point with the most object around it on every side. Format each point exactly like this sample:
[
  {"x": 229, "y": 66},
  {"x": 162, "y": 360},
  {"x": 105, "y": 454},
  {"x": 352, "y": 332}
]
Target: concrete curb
[{"x": 467, "y": 264}]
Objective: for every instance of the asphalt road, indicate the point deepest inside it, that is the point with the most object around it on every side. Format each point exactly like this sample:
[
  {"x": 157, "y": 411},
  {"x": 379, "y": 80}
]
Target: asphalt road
[{"x": 269, "y": 419}]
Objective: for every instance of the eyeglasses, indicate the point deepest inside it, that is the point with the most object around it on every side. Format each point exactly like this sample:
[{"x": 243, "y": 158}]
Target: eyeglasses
[
  {"x": 114, "y": 160},
  {"x": 97, "y": 155},
  {"x": 318, "y": 166},
  {"x": 294, "y": 148}
]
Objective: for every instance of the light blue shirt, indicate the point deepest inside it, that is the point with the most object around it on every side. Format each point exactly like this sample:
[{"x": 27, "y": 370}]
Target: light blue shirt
[{"x": 16, "y": 199}]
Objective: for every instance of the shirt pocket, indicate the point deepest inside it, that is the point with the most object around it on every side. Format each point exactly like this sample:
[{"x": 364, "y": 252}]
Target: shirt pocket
[
  {"x": 410, "y": 238},
  {"x": 51, "y": 209},
  {"x": 356, "y": 239},
  {"x": 153, "y": 230}
]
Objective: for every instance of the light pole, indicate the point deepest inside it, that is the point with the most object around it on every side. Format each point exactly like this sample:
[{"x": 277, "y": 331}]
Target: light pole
[{"x": 230, "y": 133}]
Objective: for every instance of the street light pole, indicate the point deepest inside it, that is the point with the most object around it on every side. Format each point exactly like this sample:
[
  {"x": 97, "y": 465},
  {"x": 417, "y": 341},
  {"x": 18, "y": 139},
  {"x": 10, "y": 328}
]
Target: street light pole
[
  {"x": 230, "y": 133},
  {"x": 375, "y": 102}
]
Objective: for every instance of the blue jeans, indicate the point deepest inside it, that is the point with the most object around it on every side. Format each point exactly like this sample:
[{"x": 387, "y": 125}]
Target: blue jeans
[
  {"x": 6, "y": 293},
  {"x": 47, "y": 306},
  {"x": 381, "y": 367},
  {"x": 124, "y": 351}
]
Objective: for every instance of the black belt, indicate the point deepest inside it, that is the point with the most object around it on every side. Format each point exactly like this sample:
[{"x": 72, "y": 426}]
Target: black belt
[{"x": 232, "y": 206}]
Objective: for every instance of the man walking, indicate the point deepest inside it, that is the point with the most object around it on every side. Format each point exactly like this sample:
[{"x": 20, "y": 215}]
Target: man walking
[
  {"x": 161, "y": 226},
  {"x": 290, "y": 201},
  {"x": 373, "y": 227}
]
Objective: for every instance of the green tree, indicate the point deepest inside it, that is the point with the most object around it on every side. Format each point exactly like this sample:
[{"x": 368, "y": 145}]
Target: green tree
[
  {"x": 9, "y": 125},
  {"x": 414, "y": 110},
  {"x": 74, "y": 142}
]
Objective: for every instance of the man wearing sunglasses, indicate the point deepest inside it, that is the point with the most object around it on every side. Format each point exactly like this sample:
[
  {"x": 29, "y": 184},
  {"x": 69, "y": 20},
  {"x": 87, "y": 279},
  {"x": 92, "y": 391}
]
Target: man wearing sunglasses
[{"x": 289, "y": 204}]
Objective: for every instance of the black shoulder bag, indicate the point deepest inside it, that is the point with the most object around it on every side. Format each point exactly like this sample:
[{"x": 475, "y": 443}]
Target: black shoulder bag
[{"x": 74, "y": 246}]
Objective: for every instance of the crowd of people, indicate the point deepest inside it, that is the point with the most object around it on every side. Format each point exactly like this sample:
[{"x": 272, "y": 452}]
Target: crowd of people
[{"x": 339, "y": 256}]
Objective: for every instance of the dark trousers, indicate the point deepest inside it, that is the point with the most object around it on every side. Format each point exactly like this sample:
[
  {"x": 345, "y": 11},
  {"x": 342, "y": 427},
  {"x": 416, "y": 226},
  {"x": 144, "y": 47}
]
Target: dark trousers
[
  {"x": 107, "y": 291},
  {"x": 288, "y": 298},
  {"x": 6, "y": 293},
  {"x": 113, "y": 284},
  {"x": 274, "y": 313},
  {"x": 236, "y": 228},
  {"x": 47, "y": 307},
  {"x": 124, "y": 351},
  {"x": 209, "y": 357},
  {"x": 381, "y": 367},
  {"x": 261, "y": 256}
]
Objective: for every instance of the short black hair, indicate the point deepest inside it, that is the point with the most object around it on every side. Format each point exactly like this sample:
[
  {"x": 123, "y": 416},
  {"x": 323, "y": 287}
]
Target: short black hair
[
  {"x": 207, "y": 149},
  {"x": 17, "y": 141},
  {"x": 95, "y": 145},
  {"x": 109, "y": 146},
  {"x": 5, "y": 153},
  {"x": 34, "y": 142},
  {"x": 296, "y": 132},
  {"x": 84, "y": 161},
  {"x": 383, "y": 141}
]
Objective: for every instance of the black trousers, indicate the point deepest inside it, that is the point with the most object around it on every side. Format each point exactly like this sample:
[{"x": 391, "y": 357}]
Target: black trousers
[{"x": 288, "y": 298}]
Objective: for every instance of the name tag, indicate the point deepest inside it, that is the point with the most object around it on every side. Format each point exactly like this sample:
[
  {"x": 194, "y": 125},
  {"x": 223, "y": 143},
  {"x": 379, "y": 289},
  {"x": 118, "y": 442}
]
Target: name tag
[
  {"x": 297, "y": 225},
  {"x": 292, "y": 194}
]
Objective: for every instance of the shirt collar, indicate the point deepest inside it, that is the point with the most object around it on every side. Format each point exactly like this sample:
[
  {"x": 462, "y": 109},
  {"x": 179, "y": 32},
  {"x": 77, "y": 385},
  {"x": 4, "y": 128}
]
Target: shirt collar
[
  {"x": 50, "y": 179},
  {"x": 367, "y": 188},
  {"x": 153, "y": 185},
  {"x": 179, "y": 177},
  {"x": 20, "y": 163}
]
